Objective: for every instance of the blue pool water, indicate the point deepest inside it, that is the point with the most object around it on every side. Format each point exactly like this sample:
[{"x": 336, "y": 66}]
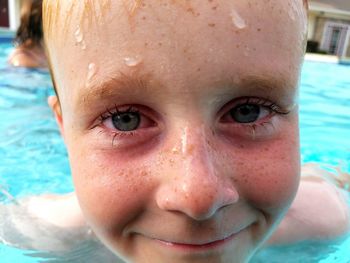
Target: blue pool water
[{"x": 33, "y": 158}]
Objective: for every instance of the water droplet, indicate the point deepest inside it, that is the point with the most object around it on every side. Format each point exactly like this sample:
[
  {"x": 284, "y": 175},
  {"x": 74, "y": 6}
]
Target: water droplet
[
  {"x": 92, "y": 70},
  {"x": 132, "y": 61},
  {"x": 184, "y": 141},
  {"x": 83, "y": 45},
  {"x": 79, "y": 38},
  {"x": 237, "y": 20},
  {"x": 78, "y": 35}
]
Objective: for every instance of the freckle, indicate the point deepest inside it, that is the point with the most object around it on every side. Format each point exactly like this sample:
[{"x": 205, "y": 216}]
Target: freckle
[
  {"x": 160, "y": 44},
  {"x": 190, "y": 149},
  {"x": 146, "y": 44},
  {"x": 185, "y": 50},
  {"x": 198, "y": 69},
  {"x": 211, "y": 24},
  {"x": 210, "y": 1},
  {"x": 190, "y": 10},
  {"x": 259, "y": 29},
  {"x": 237, "y": 46}
]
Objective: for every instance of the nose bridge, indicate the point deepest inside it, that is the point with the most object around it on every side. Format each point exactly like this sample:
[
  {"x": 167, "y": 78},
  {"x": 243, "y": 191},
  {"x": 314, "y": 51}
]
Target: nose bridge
[{"x": 197, "y": 187}]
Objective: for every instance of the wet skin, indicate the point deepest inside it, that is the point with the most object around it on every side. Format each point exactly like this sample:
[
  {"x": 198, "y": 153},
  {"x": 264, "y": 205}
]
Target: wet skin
[{"x": 213, "y": 162}]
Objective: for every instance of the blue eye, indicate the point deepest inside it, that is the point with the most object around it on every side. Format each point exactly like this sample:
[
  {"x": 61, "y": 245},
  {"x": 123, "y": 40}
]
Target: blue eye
[
  {"x": 245, "y": 113},
  {"x": 126, "y": 121}
]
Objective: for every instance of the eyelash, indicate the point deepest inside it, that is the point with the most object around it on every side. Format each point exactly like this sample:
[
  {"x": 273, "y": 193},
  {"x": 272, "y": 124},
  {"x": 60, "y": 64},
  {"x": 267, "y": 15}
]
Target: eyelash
[
  {"x": 262, "y": 102},
  {"x": 253, "y": 127},
  {"x": 109, "y": 114}
]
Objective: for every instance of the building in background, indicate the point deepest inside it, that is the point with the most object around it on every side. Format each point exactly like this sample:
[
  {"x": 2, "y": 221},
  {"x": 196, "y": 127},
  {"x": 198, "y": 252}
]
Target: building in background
[{"x": 329, "y": 27}]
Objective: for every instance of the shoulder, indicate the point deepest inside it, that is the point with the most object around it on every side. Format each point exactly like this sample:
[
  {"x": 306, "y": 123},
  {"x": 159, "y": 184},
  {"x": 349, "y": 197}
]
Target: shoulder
[
  {"x": 319, "y": 211},
  {"x": 24, "y": 57},
  {"x": 59, "y": 210},
  {"x": 323, "y": 208},
  {"x": 48, "y": 223}
]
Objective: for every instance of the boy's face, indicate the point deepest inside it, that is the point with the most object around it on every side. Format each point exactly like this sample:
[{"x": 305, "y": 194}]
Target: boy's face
[{"x": 180, "y": 120}]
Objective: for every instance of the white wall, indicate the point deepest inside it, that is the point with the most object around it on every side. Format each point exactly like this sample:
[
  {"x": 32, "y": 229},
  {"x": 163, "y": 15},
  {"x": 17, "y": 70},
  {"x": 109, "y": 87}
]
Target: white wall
[{"x": 14, "y": 13}]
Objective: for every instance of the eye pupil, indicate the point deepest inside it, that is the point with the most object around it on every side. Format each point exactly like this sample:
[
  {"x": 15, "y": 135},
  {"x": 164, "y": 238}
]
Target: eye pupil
[
  {"x": 245, "y": 113},
  {"x": 126, "y": 121}
]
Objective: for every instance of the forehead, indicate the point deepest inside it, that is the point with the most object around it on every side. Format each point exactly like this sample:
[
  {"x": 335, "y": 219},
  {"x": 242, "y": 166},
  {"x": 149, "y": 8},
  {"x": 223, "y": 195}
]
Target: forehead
[{"x": 262, "y": 37}]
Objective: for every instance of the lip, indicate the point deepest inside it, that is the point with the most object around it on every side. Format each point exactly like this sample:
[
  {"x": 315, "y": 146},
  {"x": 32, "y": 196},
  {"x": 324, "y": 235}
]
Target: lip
[{"x": 197, "y": 247}]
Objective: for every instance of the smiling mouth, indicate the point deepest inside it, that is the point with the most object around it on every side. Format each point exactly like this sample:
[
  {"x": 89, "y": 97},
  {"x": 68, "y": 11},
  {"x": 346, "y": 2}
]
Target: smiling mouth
[{"x": 191, "y": 247}]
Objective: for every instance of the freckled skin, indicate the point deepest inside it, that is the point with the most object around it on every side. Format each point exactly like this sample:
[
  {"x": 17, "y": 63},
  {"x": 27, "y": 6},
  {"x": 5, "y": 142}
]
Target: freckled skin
[{"x": 227, "y": 180}]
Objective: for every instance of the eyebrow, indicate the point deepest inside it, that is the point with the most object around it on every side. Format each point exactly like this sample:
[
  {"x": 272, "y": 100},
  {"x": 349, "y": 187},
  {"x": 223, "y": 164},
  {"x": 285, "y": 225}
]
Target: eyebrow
[
  {"x": 124, "y": 86},
  {"x": 267, "y": 82},
  {"x": 119, "y": 85}
]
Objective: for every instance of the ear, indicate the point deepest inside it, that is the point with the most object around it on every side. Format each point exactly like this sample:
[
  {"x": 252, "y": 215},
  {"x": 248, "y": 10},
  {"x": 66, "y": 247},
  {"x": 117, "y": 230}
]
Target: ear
[{"x": 57, "y": 111}]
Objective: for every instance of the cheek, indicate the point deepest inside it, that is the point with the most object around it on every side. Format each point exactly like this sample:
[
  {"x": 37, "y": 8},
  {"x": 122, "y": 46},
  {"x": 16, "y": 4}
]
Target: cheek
[
  {"x": 110, "y": 193},
  {"x": 267, "y": 173},
  {"x": 272, "y": 181}
]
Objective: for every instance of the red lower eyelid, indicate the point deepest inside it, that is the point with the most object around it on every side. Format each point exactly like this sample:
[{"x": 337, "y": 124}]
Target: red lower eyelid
[{"x": 146, "y": 122}]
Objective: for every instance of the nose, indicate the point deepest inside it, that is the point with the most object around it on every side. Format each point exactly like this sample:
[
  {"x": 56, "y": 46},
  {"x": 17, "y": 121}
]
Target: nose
[{"x": 199, "y": 186}]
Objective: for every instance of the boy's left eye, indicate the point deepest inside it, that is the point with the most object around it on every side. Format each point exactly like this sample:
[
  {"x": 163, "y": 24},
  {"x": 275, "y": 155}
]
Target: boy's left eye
[
  {"x": 126, "y": 121},
  {"x": 248, "y": 113}
]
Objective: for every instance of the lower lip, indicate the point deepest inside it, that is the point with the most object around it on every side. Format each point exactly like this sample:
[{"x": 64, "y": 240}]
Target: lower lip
[{"x": 203, "y": 247}]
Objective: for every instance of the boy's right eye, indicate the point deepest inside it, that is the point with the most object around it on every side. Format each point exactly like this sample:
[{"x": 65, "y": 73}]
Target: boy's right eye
[
  {"x": 128, "y": 126},
  {"x": 125, "y": 120}
]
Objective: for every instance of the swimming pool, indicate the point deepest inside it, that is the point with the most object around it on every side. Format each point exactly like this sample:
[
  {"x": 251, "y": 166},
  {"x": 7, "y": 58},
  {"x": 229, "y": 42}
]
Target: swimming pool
[{"x": 34, "y": 160}]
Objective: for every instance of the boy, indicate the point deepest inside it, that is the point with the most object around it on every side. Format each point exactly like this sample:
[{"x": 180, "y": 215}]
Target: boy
[{"x": 181, "y": 124}]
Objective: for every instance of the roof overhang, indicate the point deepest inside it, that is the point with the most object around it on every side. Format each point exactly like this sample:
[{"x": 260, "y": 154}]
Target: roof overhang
[{"x": 320, "y": 7}]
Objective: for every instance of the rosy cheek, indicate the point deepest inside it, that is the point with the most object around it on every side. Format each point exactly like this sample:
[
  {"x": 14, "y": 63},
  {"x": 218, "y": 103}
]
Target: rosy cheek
[
  {"x": 111, "y": 193},
  {"x": 267, "y": 184},
  {"x": 265, "y": 173}
]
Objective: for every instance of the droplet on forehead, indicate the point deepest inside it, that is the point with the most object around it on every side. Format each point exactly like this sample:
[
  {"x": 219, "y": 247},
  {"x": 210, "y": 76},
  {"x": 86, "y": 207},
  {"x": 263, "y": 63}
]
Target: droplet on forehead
[
  {"x": 132, "y": 61},
  {"x": 92, "y": 70},
  {"x": 79, "y": 38},
  {"x": 237, "y": 20},
  {"x": 78, "y": 35}
]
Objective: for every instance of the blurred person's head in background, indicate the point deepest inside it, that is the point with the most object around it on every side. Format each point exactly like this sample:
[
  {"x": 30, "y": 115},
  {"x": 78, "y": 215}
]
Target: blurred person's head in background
[{"x": 29, "y": 50}]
